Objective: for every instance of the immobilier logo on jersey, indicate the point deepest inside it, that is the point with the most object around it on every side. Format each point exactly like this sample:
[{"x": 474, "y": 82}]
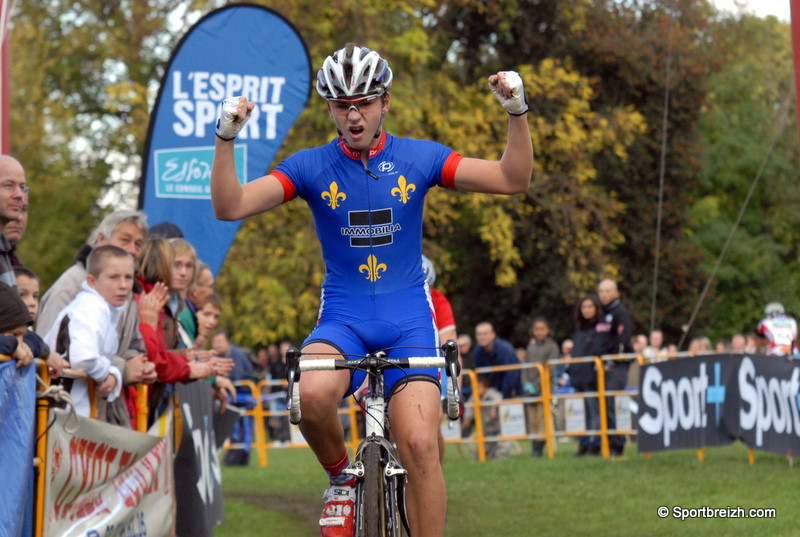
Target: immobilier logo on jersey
[{"x": 370, "y": 228}]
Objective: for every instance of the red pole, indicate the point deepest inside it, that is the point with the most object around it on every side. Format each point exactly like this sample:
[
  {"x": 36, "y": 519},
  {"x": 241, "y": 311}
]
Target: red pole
[
  {"x": 4, "y": 90},
  {"x": 4, "y": 86},
  {"x": 795, "y": 5}
]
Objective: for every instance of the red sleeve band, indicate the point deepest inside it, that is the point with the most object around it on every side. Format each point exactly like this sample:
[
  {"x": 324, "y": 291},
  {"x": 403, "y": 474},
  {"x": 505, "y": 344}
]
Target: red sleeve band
[
  {"x": 449, "y": 170},
  {"x": 289, "y": 191}
]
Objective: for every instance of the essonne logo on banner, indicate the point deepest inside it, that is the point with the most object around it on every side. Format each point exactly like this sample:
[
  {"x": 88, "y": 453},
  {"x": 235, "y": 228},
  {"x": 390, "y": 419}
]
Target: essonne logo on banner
[{"x": 186, "y": 173}]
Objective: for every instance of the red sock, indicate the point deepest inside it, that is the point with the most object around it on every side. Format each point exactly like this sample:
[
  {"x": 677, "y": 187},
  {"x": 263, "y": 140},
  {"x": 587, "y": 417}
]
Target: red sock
[{"x": 336, "y": 473}]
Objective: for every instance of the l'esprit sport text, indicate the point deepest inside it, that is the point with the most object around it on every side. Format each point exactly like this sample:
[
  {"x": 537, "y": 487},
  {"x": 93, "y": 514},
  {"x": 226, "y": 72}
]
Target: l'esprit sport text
[{"x": 197, "y": 96}]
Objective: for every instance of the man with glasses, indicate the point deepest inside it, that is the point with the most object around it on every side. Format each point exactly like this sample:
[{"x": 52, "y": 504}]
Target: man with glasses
[
  {"x": 13, "y": 200},
  {"x": 366, "y": 190}
]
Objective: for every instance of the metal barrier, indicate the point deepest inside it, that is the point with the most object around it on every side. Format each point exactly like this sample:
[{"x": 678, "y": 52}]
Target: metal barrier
[{"x": 263, "y": 396}]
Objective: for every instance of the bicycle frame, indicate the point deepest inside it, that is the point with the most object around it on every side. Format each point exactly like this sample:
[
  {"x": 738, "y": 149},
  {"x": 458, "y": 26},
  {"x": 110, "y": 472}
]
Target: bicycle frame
[{"x": 380, "y": 477}]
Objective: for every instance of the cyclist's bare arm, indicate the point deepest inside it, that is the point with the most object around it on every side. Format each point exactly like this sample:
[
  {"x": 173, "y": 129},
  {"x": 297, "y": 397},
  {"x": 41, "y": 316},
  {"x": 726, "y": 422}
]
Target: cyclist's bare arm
[
  {"x": 230, "y": 199},
  {"x": 512, "y": 173}
]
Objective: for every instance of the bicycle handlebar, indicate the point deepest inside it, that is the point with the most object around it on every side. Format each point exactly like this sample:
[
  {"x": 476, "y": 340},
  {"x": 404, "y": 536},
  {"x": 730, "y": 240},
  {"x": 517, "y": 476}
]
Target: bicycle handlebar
[{"x": 373, "y": 363}]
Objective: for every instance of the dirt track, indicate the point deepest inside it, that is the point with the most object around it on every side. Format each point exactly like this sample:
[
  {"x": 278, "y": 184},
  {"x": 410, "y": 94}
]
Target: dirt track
[{"x": 305, "y": 512}]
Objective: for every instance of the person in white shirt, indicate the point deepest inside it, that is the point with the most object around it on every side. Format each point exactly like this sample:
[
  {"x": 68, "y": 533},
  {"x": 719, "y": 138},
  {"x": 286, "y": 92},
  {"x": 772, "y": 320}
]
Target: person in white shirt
[
  {"x": 85, "y": 331},
  {"x": 778, "y": 330}
]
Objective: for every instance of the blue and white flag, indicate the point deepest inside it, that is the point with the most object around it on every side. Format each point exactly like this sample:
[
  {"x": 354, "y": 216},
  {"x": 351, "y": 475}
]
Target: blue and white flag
[
  {"x": 17, "y": 421},
  {"x": 239, "y": 49}
]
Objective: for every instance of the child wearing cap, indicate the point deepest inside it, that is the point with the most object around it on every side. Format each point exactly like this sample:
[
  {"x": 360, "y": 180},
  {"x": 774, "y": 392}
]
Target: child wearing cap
[
  {"x": 14, "y": 322},
  {"x": 85, "y": 331}
]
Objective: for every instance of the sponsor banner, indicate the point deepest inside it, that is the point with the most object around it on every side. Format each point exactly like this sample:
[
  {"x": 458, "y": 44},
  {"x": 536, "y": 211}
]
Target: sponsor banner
[
  {"x": 512, "y": 419},
  {"x": 198, "y": 479},
  {"x": 767, "y": 416},
  {"x": 240, "y": 49},
  {"x": 105, "y": 480},
  {"x": 17, "y": 419},
  {"x": 681, "y": 402},
  {"x": 622, "y": 412},
  {"x": 575, "y": 410},
  {"x": 712, "y": 400}
]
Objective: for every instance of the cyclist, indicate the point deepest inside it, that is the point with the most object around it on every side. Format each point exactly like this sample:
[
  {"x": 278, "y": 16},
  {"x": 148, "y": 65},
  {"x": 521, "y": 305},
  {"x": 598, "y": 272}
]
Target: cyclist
[
  {"x": 778, "y": 331},
  {"x": 445, "y": 324},
  {"x": 366, "y": 190}
]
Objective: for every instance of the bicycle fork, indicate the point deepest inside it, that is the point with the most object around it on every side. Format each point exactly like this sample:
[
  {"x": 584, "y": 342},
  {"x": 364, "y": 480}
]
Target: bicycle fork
[{"x": 381, "y": 478}]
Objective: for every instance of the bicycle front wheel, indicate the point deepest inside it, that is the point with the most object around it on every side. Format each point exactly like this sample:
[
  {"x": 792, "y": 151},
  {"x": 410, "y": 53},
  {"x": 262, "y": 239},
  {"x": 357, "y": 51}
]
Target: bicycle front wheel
[{"x": 374, "y": 497}]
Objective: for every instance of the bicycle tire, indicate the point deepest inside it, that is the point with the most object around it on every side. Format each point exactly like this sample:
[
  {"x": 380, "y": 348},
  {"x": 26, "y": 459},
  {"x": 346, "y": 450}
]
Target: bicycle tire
[{"x": 374, "y": 497}]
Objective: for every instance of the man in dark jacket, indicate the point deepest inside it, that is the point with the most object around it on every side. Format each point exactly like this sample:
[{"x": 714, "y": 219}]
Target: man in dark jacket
[{"x": 621, "y": 323}]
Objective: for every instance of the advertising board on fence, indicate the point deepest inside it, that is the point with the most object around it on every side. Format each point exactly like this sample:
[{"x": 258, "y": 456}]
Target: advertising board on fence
[
  {"x": 712, "y": 400},
  {"x": 102, "y": 479},
  {"x": 17, "y": 405}
]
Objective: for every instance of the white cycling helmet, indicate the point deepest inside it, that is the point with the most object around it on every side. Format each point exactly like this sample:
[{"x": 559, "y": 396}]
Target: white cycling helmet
[
  {"x": 774, "y": 308},
  {"x": 429, "y": 270},
  {"x": 353, "y": 72}
]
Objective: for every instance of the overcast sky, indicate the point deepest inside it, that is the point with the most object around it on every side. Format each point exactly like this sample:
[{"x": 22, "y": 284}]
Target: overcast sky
[{"x": 762, "y": 8}]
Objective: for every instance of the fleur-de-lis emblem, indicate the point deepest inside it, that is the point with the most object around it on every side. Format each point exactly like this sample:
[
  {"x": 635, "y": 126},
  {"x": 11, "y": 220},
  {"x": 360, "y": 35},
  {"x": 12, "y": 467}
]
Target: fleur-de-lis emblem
[
  {"x": 373, "y": 268},
  {"x": 403, "y": 190},
  {"x": 334, "y": 196}
]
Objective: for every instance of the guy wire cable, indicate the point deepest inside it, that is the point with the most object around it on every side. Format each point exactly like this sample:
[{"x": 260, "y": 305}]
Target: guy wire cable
[
  {"x": 661, "y": 174},
  {"x": 780, "y": 120}
]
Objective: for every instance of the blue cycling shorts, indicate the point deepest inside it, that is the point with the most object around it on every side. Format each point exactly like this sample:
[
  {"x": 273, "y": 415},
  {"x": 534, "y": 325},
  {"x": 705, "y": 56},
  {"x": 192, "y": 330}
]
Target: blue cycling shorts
[{"x": 359, "y": 324}]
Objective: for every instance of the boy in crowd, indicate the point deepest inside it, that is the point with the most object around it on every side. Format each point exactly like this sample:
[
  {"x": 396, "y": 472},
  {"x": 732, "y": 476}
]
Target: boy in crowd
[
  {"x": 85, "y": 331},
  {"x": 14, "y": 321}
]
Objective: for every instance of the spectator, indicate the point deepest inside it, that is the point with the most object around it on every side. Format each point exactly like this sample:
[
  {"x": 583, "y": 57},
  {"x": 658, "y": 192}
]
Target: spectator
[
  {"x": 655, "y": 351},
  {"x": 467, "y": 360},
  {"x": 751, "y": 344},
  {"x": 699, "y": 345},
  {"x": 166, "y": 230},
  {"x": 639, "y": 343},
  {"x": 154, "y": 274},
  {"x": 738, "y": 343},
  {"x": 721, "y": 346},
  {"x": 13, "y": 195},
  {"x": 184, "y": 266},
  {"x": 15, "y": 230},
  {"x": 28, "y": 289},
  {"x": 242, "y": 365},
  {"x": 242, "y": 370},
  {"x": 209, "y": 310},
  {"x": 86, "y": 330},
  {"x": 541, "y": 349},
  {"x": 490, "y": 418},
  {"x": 493, "y": 351},
  {"x": 14, "y": 321},
  {"x": 125, "y": 229},
  {"x": 592, "y": 337},
  {"x": 201, "y": 287},
  {"x": 561, "y": 384},
  {"x": 616, "y": 371},
  {"x": 778, "y": 331}
]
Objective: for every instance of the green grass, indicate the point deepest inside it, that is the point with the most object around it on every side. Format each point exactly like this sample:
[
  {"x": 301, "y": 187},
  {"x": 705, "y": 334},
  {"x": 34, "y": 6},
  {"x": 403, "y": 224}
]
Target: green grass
[{"x": 524, "y": 497}]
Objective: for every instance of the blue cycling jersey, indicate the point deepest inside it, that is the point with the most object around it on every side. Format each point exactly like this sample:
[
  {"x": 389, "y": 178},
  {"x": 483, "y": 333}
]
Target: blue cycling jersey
[{"x": 369, "y": 220}]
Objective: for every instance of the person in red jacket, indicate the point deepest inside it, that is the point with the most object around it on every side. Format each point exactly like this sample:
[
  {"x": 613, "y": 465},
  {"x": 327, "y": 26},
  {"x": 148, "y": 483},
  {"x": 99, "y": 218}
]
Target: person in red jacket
[{"x": 154, "y": 273}]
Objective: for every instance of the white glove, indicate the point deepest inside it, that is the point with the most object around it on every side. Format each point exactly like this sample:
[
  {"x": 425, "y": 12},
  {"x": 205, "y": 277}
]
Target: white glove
[
  {"x": 517, "y": 104},
  {"x": 228, "y": 124}
]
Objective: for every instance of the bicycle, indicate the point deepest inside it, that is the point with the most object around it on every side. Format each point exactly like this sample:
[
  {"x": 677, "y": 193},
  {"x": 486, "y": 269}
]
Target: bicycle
[{"x": 380, "y": 477}]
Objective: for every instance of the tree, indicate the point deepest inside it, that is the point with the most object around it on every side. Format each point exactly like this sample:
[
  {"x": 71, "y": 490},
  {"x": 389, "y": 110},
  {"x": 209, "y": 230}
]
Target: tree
[
  {"x": 746, "y": 124},
  {"x": 83, "y": 74}
]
